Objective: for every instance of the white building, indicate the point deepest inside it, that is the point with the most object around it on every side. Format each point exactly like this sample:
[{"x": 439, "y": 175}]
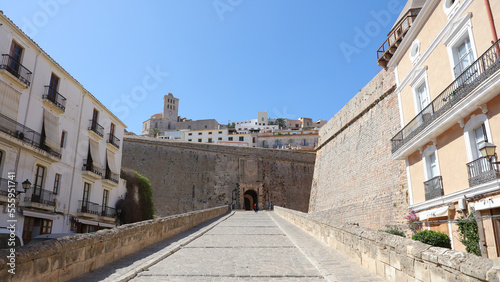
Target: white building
[
  {"x": 57, "y": 136},
  {"x": 261, "y": 123},
  {"x": 217, "y": 136}
]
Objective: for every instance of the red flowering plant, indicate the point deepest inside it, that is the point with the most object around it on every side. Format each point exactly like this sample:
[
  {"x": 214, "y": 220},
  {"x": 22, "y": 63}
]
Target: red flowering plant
[{"x": 413, "y": 221}]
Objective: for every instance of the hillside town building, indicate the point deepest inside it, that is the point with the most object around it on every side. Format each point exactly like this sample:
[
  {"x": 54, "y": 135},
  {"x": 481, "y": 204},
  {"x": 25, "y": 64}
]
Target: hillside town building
[
  {"x": 60, "y": 148},
  {"x": 447, "y": 59}
]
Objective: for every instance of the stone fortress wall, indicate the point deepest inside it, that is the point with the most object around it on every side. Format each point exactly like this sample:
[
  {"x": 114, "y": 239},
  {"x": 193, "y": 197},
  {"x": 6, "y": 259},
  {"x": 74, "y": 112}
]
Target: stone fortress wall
[
  {"x": 355, "y": 178},
  {"x": 193, "y": 176}
]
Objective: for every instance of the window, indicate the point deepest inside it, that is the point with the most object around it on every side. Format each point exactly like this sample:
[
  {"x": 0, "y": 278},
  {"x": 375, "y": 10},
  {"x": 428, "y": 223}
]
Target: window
[
  {"x": 230, "y": 138},
  {"x": 199, "y": 133},
  {"x": 479, "y": 137},
  {"x": 206, "y": 127},
  {"x": 200, "y": 140},
  {"x": 210, "y": 140},
  {"x": 210, "y": 133},
  {"x": 220, "y": 139},
  {"x": 476, "y": 133},
  {"x": 304, "y": 142},
  {"x": 264, "y": 144},
  {"x": 422, "y": 97},
  {"x": 290, "y": 141},
  {"x": 105, "y": 197},
  {"x": 462, "y": 56},
  {"x": 220, "y": 132},
  {"x": 53, "y": 86},
  {"x": 57, "y": 182},
  {"x": 111, "y": 132},
  {"x": 432, "y": 169},
  {"x": 86, "y": 195},
  {"x": 277, "y": 143},
  {"x": 46, "y": 226},
  {"x": 190, "y": 134},
  {"x": 39, "y": 181},
  {"x": 430, "y": 161},
  {"x": 190, "y": 140},
  {"x": 95, "y": 115},
  {"x": 242, "y": 138},
  {"x": 16, "y": 55},
  {"x": 63, "y": 139}
]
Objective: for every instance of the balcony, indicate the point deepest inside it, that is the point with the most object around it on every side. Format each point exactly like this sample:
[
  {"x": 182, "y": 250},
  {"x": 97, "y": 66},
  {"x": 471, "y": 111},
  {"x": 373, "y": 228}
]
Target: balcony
[
  {"x": 25, "y": 134},
  {"x": 107, "y": 211},
  {"x": 111, "y": 176},
  {"x": 5, "y": 185},
  {"x": 88, "y": 166},
  {"x": 482, "y": 171},
  {"x": 88, "y": 208},
  {"x": 472, "y": 76},
  {"x": 55, "y": 98},
  {"x": 389, "y": 47},
  {"x": 433, "y": 188},
  {"x": 113, "y": 140},
  {"x": 16, "y": 69},
  {"x": 40, "y": 196},
  {"x": 96, "y": 128}
]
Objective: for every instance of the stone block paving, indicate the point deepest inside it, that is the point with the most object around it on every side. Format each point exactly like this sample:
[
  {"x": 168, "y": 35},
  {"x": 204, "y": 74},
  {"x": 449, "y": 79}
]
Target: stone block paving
[
  {"x": 250, "y": 246},
  {"x": 241, "y": 246}
]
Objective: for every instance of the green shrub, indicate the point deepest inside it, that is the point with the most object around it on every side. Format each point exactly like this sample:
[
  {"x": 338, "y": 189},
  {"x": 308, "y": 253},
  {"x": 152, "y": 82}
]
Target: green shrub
[
  {"x": 394, "y": 230},
  {"x": 434, "y": 238}
]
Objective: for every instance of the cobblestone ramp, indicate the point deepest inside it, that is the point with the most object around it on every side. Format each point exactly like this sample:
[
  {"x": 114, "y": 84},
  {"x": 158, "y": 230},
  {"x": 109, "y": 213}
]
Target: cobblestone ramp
[{"x": 250, "y": 246}]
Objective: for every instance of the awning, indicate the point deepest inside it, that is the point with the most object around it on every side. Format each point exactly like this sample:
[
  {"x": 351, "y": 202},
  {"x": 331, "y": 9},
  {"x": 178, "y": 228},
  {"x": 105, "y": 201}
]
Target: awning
[
  {"x": 51, "y": 126},
  {"x": 485, "y": 204},
  {"x": 9, "y": 102},
  {"x": 95, "y": 153},
  {"x": 96, "y": 223},
  {"x": 39, "y": 215},
  {"x": 112, "y": 162},
  {"x": 439, "y": 212}
]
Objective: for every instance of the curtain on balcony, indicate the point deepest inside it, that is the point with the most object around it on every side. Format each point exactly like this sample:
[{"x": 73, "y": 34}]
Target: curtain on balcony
[
  {"x": 9, "y": 102},
  {"x": 51, "y": 126},
  {"x": 95, "y": 153},
  {"x": 112, "y": 162}
]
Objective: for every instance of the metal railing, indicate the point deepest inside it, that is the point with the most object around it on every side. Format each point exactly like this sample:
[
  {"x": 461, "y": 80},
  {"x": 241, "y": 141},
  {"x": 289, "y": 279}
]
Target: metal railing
[
  {"x": 463, "y": 63},
  {"x": 482, "y": 171},
  {"x": 39, "y": 195},
  {"x": 433, "y": 188},
  {"x": 53, "y": 96},
  {"x": 97, "y": 128},
  {"x": 88, "y": 207},
  {"x": 395, "y": 35},
  {"x": 24, "y": 133},
  {"x": 5, "y": 185},
  {"x": 88, "y": 166},
  {"x": 470, "y": 78},
  {"x": 111, "y": 176},
  {"x": 113, "y": 140},
  {"x": 16, "y": 69},
  {"x": 107, "y": 211}
]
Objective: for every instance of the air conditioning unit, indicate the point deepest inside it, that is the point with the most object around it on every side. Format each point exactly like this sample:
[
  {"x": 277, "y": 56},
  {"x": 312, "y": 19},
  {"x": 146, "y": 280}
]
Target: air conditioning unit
[{"x": 462, "y": 204}]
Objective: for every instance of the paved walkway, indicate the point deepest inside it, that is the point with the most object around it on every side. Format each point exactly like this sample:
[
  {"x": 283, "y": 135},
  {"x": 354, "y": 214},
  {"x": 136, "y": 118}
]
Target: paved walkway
[{"x": 243, "y": 246}]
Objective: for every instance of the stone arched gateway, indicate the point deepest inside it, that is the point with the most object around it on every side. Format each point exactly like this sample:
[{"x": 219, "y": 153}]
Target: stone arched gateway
[{"x": 251, "y": 193}]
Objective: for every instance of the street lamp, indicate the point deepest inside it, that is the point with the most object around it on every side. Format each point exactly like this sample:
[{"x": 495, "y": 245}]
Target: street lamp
[
  {"x": 26, "y": 185},
  {"x": 488, "y": 151}
]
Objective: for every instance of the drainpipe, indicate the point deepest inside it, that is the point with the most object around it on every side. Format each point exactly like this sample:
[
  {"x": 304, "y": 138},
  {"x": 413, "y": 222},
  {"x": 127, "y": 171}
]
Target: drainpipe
[{"x": 492, "y": 23}]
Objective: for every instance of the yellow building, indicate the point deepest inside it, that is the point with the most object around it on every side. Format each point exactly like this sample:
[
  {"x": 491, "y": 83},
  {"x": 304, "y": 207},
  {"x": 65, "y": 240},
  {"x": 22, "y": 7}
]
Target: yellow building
[{"x": 446, "y": 56}]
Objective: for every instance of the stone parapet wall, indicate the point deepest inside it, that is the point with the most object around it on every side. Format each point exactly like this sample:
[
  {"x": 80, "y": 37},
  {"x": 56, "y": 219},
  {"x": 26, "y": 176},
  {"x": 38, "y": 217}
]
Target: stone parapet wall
[
  {"x": 355, "y": 178},
  {"x": 395, "y": 258},
  {"x": 65, "y": 258}
]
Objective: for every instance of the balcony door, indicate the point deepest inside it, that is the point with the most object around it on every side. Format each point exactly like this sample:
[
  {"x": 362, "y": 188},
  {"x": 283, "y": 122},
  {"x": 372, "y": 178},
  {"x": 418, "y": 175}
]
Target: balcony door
[
  {"x": 422, "y": 97},
  {"x": 463, "y": 56},
  {"x": 16, "y": 54},
  {"x": 39, "y": 179},
  {"x": 54, "y": 85},
  {"x": 85, "y": 200},
  {"x": 479, "y": 138},
  {"x": 105, "y": 197},
  {"x": 432, "y": 168},
  {"x": 111, "y": 132}
]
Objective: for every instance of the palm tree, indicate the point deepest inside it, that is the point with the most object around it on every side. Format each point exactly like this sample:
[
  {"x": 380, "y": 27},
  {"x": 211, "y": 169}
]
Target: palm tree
[
  {"x": 155, "y": 132},
  {"x": 281, "y": 122}
]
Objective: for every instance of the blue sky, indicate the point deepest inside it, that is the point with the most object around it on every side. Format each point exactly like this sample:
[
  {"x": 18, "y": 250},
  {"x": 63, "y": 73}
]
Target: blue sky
[{"x": 224, "y": 59}]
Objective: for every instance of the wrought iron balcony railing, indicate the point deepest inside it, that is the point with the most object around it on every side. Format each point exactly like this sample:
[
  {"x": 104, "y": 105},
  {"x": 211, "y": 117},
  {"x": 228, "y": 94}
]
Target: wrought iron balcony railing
[
  {"x": 53, "y": 96},
  {"x": 111, "y": 176},
  {"x": 26, "y": 134},
  {"x": 39, "y": 195},
  {"x": 433, "y": 188},
  {"x": 16, "y": 69},
  {"x": 113, "y": 140},
  {"x": 463, "y": 63},
  {"x": 97, "y": 128},
  {"x": 88, "y": 207},
  {"x": 107, "y": 211},
  {"x": 482, "y": 171},
  {"x": 5, "y": 185},
  {"x": 389, "y": 47},
  {"x": 471, "y": 77},
  {"x": 88, "y": 166}
]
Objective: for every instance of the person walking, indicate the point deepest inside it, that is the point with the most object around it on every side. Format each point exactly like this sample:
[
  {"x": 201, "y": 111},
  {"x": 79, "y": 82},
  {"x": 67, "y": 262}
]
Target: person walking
[{"x": 255, "y": 207}]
